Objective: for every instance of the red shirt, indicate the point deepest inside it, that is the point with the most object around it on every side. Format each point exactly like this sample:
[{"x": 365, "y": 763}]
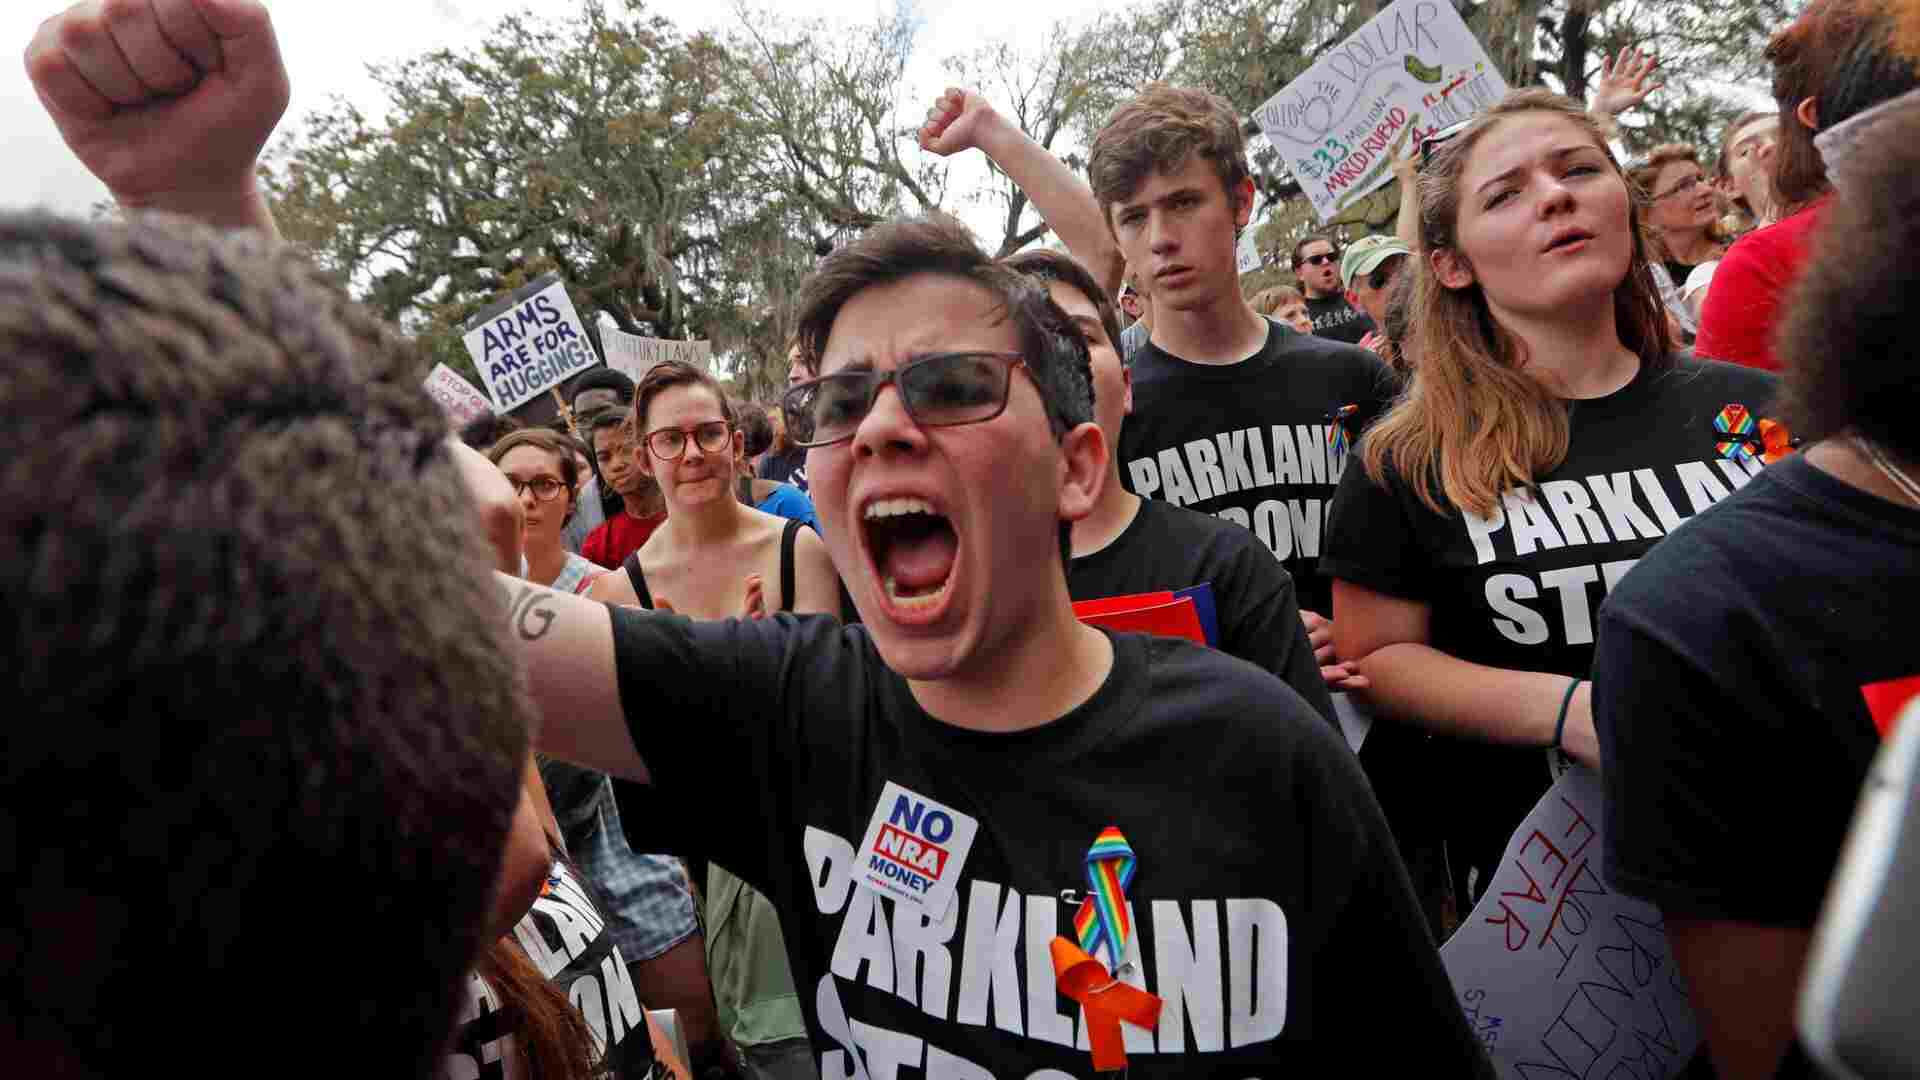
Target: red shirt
[
  {"x": 1743, "y": 303},
  {"x": 618, "y": 537}
]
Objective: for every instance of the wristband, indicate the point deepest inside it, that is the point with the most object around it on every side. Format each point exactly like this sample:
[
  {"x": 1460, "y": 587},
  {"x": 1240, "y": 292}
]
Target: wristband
[{"x": 1560, "y": 725}]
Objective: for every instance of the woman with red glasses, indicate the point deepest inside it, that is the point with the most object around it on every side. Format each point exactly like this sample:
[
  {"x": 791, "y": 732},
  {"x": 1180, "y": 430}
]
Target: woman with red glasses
[{"x": 714, "y": 558}]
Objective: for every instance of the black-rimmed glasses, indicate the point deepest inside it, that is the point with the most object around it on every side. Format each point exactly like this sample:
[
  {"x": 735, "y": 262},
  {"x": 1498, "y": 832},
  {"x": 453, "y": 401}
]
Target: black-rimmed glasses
[
  {"x": 940, "y": 390},
  {"x": 668, "y": 444},
  {"x": 544, "y": 488},
  {"x": 1321, "y": 259}
]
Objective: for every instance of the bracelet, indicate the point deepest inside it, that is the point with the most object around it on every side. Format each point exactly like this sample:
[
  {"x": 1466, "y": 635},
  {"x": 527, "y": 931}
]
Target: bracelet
[{"x": 1560, "y": 725}]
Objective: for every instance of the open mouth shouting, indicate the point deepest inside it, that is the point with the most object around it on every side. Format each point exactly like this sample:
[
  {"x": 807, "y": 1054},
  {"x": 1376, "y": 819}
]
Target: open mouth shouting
[{"x": 912, "y": 548}]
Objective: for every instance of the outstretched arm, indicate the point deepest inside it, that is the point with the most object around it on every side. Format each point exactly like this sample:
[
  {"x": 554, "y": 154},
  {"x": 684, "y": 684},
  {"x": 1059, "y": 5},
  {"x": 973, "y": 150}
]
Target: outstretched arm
[
  {"x": 961, "y": 120},
  {"x": 168, "y": 102}
]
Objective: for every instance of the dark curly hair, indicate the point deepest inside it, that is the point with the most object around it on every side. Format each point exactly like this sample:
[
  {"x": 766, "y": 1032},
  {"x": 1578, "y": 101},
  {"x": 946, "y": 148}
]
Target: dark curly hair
[
  {"x": 1846, "y": 337},
  {"x": 262, "y": 739}
]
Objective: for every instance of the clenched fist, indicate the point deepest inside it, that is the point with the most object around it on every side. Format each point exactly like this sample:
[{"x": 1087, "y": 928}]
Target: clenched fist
[{"x": 168, "y": 102}]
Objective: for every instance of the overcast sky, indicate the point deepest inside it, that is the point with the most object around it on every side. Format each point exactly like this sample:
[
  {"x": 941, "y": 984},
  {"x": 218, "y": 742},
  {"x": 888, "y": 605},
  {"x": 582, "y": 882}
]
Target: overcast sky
[{"x": 329, "y": 43}]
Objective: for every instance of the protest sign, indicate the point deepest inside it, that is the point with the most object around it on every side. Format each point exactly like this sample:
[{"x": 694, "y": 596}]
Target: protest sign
[
  {"x": 1411, "y": 70},
  {"x": 456, "y": 395},
  {"x": 1560, "y": 973},
  {"x": 633, "y": 355},
  {"x": 529, "y": 343}
]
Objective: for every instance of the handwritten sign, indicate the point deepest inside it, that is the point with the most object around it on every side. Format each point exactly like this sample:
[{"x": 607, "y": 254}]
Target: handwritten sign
[
  {"x": 456, "y": 395},
  {"x": 529, "y": 343},
  {"x": 1411, "y": 70},
  {"x": 1560, "y": 973},
  {"x": 633, "y": 355}
]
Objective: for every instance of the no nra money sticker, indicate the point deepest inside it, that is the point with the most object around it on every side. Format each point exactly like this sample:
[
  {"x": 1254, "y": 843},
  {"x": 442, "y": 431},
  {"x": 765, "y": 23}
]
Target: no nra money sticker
[{"x": 914, "y": 850}]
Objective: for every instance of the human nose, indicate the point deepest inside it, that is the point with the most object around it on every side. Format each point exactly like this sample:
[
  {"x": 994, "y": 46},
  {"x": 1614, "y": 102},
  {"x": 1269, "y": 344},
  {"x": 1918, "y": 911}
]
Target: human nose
[
  {"x": 1160, "y": 234},
  {"x": 1555, "y": 196},
  {"x": 888, "y": 425}
]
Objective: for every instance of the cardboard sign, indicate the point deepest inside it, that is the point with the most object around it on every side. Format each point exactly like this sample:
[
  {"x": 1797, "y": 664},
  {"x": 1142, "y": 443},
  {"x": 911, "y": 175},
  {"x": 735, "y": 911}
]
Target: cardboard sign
[
  {"x": 1560, "y": 973},
  {"x": 456, "y": 395},
  {"x": 633, "y": 355},
  {"x": 529, "y": 343},
  {"x": 913, "y": 851},
  {"x": 1410, "y": 71}
]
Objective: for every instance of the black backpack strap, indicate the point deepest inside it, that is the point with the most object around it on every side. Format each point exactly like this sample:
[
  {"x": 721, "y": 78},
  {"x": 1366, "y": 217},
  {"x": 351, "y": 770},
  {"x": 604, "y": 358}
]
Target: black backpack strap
[
  {"x": 788, "y": 536},
  {"x": 639, "y": 579}
]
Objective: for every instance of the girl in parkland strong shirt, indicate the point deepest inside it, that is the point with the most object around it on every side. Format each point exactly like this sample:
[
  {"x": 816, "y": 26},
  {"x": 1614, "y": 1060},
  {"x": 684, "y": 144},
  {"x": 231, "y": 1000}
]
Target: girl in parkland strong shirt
[{"x": 1549, "y": 437}]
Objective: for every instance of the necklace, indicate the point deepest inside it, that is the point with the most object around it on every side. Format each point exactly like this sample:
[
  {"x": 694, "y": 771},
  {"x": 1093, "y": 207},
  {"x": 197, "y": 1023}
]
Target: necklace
[{"x": 1908, "y": 485}]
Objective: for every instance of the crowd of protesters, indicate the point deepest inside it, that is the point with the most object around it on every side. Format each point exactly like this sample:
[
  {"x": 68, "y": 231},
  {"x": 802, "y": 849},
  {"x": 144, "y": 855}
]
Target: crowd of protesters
[{"x": 350, "y": 744}]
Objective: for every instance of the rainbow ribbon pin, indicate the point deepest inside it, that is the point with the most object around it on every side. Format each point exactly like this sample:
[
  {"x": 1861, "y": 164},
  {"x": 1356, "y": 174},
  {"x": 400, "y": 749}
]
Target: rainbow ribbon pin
[
  {"x": 1102, "y": 920},
  {"x": 1741, "y": 437},
  {"x": 1337, "y": 438}
]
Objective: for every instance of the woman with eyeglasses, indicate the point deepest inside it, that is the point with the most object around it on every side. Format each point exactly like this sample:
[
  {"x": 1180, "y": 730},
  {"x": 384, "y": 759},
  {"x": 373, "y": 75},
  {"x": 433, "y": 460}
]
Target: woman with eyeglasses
[
  {"x": 715, "y": 557},
  {"x": 544, "y": 469},
  {"x": 1549, "y": 435},
  {"x": 1683, "y": 220}
]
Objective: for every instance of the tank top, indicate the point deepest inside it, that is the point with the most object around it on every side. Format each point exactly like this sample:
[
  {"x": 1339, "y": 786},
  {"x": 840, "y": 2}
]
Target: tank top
[{"x": 788, "y": 537}]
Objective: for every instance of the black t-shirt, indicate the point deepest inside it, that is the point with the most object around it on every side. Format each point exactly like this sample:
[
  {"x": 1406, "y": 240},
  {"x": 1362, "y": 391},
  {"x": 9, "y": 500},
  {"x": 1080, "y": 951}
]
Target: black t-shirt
[
  {"x": 1248, "y": 442},
  {"x": 1271, "y": 915},
  {"x": 1728, "y": 693},
  {"x": 787, "y": 466},
  {"x": 1334, "y": 318},
  {"x": 1519, "y": 590},
  {"x": 1165, "y": 547},
  {"x": 565, "y": 936}
]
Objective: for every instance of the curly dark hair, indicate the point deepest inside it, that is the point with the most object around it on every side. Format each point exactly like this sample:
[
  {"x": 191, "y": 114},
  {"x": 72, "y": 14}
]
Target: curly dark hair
[
  {"x": 263, "y": 740},
  {"x": 1845, "y": 339}
]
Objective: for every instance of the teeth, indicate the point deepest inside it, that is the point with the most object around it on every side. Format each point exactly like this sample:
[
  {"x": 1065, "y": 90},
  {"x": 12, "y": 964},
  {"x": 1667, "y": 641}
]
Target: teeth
[
  {"x": 886, "y": 508},
  {"x": 910, "y": 603}
]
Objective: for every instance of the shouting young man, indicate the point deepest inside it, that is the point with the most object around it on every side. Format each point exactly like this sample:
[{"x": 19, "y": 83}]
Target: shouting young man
[
  {"x": 919, "y": 796},
  {"x": 1232, "y": 414}
]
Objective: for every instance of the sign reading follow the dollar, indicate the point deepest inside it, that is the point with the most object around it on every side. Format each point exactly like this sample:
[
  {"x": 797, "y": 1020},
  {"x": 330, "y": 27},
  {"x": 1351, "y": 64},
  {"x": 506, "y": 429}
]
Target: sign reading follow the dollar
[
  {"x": 1410, "y": 71},
  {"x": 529, "y": 343}
]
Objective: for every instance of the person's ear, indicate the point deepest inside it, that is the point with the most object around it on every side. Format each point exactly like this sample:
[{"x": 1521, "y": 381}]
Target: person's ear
[
  {"x": 1353, "y": 298},
  {"x": 1126, "y": 390},
  {"x": 1243, "y": 202},
  {"x": 1084, "y": 470},
  {"x": 642, "y": 459},
  {"x": 1808, "y": 113},
  {"x": 1450, "y": 268}
]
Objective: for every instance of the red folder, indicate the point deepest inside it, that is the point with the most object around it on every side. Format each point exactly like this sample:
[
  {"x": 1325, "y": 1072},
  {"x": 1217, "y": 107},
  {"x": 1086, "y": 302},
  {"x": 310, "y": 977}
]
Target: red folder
[{"x": 1144, "y": 613}]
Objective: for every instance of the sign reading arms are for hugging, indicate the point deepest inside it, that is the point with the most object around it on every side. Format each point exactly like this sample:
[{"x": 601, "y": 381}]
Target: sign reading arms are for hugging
[{"x": 529, "y": 343}]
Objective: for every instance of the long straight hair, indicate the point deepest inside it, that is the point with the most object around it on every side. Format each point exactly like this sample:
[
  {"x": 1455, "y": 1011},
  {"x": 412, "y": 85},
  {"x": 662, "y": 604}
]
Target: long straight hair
[{"x": 1473, "y": 422}]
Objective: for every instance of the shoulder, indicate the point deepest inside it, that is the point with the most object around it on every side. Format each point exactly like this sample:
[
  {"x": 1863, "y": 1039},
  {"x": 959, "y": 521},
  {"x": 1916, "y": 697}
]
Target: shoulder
[
  {"x": 1217, "y": 542},
  {"x": 1247, "y": 715},
  {"x": 1709, "y": 573},
  {"x": 1737, "y": 383}
]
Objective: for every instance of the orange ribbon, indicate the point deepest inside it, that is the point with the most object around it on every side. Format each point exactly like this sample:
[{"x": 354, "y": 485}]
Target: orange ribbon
[
  {"x": 1775, "y": 441},
  {"x": 1107, "y": 1001}
]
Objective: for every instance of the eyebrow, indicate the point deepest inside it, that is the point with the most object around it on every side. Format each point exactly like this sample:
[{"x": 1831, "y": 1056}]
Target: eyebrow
[
  {"x": 1190, "y": 189},
  {"x": 1554, "y": 155}
]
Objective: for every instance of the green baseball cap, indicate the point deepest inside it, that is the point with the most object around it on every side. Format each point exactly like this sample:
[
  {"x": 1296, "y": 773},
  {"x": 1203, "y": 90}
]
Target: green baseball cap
[{"x": 1369, "y": 252}]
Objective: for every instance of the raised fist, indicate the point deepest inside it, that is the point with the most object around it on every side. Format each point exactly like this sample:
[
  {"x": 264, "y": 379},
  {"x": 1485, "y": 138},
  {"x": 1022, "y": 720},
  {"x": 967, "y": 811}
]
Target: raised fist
[{"x": 168, "y": 102}]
